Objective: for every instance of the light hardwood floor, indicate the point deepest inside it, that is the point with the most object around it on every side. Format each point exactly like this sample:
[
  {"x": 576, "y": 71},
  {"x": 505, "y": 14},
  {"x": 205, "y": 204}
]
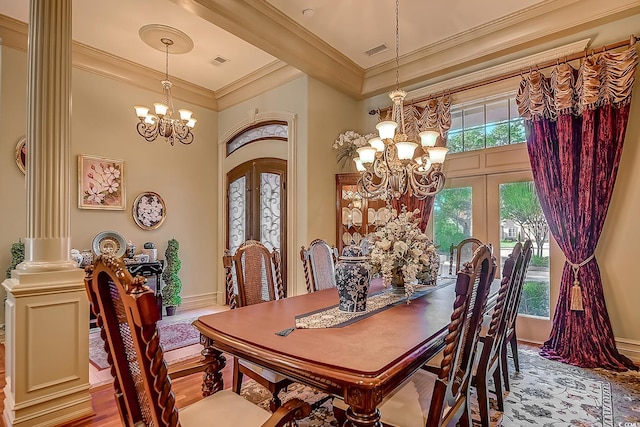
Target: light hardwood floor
[{"x": 187, "y": 390}]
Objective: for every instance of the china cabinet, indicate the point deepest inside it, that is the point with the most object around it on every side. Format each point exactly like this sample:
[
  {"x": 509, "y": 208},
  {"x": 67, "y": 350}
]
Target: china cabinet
[{"x": 356, "y": 216}]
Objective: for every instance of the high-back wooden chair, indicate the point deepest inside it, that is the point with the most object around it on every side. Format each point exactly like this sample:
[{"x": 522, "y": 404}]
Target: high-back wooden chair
[
  {"x": 489, "y": 358},
  {"x": 512, "y": 313},
  {"x": 319, "y": 264},
  {"x": 436, "y": 399},
  {"x": 463, "y": 251},
  {"x": 127, "y": 313},
  {"x": 258, "y": 279}
]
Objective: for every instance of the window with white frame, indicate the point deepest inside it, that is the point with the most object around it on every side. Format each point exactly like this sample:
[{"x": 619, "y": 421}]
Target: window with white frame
[{"x": 490, "y": 124}]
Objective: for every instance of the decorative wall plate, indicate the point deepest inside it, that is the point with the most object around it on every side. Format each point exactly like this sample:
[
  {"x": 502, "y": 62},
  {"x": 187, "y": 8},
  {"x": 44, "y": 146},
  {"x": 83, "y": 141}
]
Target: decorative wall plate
[
  {"x": 149, "y": 210},
  {"x": 109, "y": 242},
  {"x": 346, "y": 216},
  {"x": 21, "y": 154},
  {"x": 356, "y": 216},
  {"x": 346, "y": 238}
]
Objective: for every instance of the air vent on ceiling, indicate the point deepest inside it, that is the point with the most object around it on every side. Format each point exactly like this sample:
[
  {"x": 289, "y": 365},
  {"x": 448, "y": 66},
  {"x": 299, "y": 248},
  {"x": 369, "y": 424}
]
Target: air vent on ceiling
[
  {"x": 378, "y": 49},
  {"x": 218, "y": 60}
]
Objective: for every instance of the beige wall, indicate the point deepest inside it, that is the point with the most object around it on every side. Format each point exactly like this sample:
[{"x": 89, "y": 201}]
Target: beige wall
[
  {"x": 103, "y": 124},
  {"x": 330, "y": 113}
]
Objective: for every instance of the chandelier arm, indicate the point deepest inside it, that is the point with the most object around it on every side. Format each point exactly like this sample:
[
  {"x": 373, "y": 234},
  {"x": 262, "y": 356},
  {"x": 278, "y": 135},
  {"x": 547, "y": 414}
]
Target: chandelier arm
[
  {"x": 182, "y": 132},
  {"x": 426, "y": 183},
  {"x": 372, "y": 189},
  {"x": 147, "y": 131}
]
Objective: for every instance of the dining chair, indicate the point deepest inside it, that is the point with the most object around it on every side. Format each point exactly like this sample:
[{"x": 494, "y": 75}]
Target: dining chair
[
  {"x": 464, "y": 252},
  {"x": 127, "y": 315},
  {"x": 511, "y": 314},
  {"x": 319, "y": 265},
  {"x": 253, "y": 276},
  {"x": 436, "y": 399},
  {"x": 489, "y": 355}
]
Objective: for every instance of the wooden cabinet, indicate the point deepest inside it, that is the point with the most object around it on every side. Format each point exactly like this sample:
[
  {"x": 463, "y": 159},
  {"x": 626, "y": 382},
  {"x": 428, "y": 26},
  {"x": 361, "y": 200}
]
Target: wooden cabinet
[{"x": 356, "y": 216}]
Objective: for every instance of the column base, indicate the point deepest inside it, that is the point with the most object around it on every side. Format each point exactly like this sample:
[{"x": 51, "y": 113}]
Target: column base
[{"x": 46, "y": 342}]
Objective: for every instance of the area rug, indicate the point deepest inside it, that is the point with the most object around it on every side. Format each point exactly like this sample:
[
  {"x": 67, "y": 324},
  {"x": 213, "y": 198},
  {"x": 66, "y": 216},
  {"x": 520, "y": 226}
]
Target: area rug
[
  {"x": 545, "y": 393},
  {"x": 174, "y": 333}
]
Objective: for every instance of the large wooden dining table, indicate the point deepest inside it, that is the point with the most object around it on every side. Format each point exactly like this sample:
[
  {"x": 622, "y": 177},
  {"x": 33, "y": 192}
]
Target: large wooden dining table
[{"x": 361, "y": 362}]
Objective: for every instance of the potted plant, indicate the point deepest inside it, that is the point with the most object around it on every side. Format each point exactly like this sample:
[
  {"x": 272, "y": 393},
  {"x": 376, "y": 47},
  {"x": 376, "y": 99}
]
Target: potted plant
[
  {"x": 172, "y": 284},
  {"x": 17, "y": 256}
]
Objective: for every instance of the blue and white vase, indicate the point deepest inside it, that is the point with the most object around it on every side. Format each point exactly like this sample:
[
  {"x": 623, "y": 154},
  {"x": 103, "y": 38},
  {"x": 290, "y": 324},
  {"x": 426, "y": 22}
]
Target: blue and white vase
[{"x": 352, "y": 280}]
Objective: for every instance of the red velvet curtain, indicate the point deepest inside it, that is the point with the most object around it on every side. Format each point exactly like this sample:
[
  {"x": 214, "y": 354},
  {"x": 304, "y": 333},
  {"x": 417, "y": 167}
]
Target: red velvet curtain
[{"x": 575, "y": 139}]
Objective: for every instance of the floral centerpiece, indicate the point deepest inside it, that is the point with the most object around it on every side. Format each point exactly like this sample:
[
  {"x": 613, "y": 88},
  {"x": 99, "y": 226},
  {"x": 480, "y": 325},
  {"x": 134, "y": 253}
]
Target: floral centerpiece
[
  {"x": 402, "y": 253},
  {"x": 347, "y": 144}
]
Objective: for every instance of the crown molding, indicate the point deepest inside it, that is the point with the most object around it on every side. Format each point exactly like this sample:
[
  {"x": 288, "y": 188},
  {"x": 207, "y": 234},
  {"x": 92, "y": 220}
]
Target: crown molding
[
  {"x": 14, "y": 34},
  {"x": 107, "y": 65},
  {"x": 262, "y": 25},
  {"x": 508, "y": 35},
  {"x": 507, "y": 67},
  {"x": 266, "y": 78}
]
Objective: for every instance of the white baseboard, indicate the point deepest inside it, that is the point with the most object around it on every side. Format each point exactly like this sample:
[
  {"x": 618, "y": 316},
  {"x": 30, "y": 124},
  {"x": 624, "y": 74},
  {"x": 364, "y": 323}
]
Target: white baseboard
[
  {"x": 629, "y": 348},
  {"x": 198, "y": 301}
]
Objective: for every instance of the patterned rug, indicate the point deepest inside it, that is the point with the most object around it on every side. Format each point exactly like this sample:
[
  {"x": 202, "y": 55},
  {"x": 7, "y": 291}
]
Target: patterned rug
[
  {"x": 174, "y": 333},
  {"x": 545, "y": 393}
]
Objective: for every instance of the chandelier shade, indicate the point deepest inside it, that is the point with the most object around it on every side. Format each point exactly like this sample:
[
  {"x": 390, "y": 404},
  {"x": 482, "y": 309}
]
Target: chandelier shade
[
  {"x": 392, "y": 165},
  {"x": 161, "y": 122}
]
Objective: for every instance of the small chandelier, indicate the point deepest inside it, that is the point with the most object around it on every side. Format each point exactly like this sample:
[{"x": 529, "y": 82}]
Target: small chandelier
[
  {"x": 162, "y": 122},
  {"x": 388, "y": 166}
]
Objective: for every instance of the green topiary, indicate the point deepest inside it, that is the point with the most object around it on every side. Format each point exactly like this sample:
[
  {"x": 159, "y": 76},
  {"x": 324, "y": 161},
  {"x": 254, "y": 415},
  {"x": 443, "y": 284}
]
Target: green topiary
[
  {"x": 172, "y": 283},
  {"x": 17, "y": 256}
]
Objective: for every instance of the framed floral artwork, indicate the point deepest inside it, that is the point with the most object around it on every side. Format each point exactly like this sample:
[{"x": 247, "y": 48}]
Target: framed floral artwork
[
  {"x": 100, "y": 183},
  {"x": 149, "y": 210}
]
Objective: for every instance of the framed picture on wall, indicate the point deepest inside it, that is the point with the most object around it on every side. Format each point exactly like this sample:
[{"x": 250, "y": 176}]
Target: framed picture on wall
[
  {"x": 21, "y": 154},
  {"x": 149, "y": 210},
  {"x": 100, "y": 183}
]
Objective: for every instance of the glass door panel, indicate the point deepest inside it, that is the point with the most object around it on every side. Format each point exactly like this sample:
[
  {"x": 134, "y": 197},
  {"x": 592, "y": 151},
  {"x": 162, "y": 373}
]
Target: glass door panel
[
  {"x": 458, "y": 213},
  {"x": 514, "y": 215},
  {"x": 521, "y": 218},
  {"x": 237, "y": 213},
  {"x": 270, "y": 226}
]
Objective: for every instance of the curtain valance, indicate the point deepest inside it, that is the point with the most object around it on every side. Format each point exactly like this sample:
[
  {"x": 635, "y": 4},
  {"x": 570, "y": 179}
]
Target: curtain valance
[{"x": 602, "y": 79}]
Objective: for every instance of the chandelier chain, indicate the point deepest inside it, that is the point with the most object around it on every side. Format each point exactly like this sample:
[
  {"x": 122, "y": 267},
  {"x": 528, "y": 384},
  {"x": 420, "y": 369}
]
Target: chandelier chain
[
  {"x": 397, "y": 44},
  {"x": 166, "y": 60}
]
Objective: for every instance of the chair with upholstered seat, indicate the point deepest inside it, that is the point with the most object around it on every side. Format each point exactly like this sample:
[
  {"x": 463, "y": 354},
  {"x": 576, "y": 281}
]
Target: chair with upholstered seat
[
  {"x": 512, "y": 314},
  {"x": 463, "y": 251},
  {"x": 127, "y": 313},
  {"x": 253, "y": 276},
  {"x": 319, "y": 264},
  {"x": 489, "y": 355},
  {"x": 435, "y": 399}
]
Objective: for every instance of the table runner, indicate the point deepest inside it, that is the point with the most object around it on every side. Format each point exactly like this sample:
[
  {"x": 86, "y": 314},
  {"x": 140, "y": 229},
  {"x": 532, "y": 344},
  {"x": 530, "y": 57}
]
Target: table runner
[{"x": 333, "y": 317}]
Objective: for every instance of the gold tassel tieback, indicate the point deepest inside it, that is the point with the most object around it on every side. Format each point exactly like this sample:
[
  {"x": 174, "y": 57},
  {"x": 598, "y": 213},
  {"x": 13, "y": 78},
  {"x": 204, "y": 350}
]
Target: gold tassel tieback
[{"x": 576, "y": 290}]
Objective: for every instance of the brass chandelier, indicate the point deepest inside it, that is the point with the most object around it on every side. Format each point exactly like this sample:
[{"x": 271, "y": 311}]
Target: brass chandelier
[
  {"x": 150, "y": 126},
  {"x": 388, "y": 166}
]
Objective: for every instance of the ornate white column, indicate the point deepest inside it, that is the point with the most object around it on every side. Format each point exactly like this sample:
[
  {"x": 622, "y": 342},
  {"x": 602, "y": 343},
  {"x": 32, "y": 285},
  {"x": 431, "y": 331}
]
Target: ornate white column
[{"x": 47, "y": 310}]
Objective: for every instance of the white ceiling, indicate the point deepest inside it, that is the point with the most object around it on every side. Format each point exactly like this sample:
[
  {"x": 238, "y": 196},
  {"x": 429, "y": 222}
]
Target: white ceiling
[{"x": 348, "y": 26}]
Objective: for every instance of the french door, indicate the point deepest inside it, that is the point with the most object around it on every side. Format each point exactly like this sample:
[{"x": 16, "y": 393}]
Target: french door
[
  {"x": 256, "y": 206},
  {"x": 502, "y": 209}
]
